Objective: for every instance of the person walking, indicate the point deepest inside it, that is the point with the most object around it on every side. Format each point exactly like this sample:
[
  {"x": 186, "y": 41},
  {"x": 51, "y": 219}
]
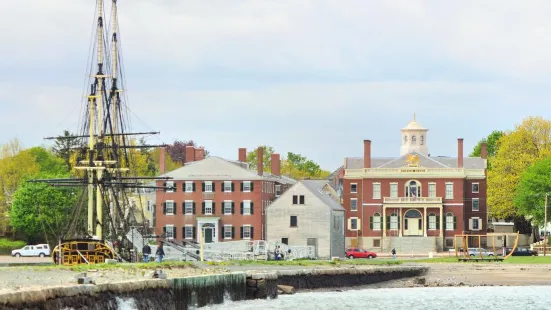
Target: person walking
[
  {"x": 146, "y": 252},
  {"x": 160, "y": 253},
  {"x": 393, "y": 253}
]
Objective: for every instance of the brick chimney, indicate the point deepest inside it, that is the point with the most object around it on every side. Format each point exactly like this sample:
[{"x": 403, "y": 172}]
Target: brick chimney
[
  {"x": 367, "y": 153},
  {"x": 260, "y": 164},
  {"x": 200, "y": 153},
  {"x": 162, "y": 155},
  {"x": 484, "y": 150},
  {"x": 460, "y": 153},
  {"x": 190, "y": 153},
  {"x": 242, "y": 154},
  {"x": 276, "y": 164}
]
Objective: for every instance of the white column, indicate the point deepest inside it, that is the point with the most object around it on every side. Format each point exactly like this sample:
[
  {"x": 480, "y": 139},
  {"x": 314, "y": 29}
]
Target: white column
[
  {"x": 384, "y": 228},
  {"x": 401, "y": 221},
  {"x": 423, "y": 221},
  {"x": 442, "y": 225}
]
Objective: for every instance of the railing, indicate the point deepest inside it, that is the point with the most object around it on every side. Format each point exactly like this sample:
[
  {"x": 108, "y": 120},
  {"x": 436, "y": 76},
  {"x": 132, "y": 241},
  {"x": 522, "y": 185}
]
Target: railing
[{"x": 412, "y": 200}]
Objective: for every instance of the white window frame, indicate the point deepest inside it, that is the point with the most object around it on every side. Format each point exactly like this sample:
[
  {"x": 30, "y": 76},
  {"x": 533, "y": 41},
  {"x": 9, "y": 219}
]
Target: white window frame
[
  {"x": 188, "y": 230},
  {"x": 172, "y": 206},
  {"x": 170, "y": 187},
  {"x": 227, "y": 186},
  {"x": 394, "y": 222},
  {"x": 246, "y": 231},
  {"x": 278, "y": 190},
  {"x": 352, "y": 204},
  {"x": 394, "y": 190},
  {"x": 246, "y": 186},
  {"x": 376, "y": 190},
  {"x": 246, "y": 207},
  {"x": 352, "y": 219},
  {"x": 477, "y": 188},
  {"x": 188, "y": 206},
  {"x": 227, "y": 204},
  {"x": 432, "y": 221},
  {"x": 478, "y": 224},
  {"x": 208, "y": 207},
  {"x": 377, "y": 222},
  {"x": 169, "y": 231},
  {"x": 477, "y": 204},
  {"x": 227, "y": 230},
  {"x": 449, "y": 221},
  {"x": 449, "y": 194},
  {"x": 208, "y": 186},
  {"x": 432, "y": 189},
  {"x": 356, "y": 190},
  {"x": 189, "y": 187}
]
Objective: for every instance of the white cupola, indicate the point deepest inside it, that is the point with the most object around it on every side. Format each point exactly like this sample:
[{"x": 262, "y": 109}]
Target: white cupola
[{"x": 414, "y": 139}]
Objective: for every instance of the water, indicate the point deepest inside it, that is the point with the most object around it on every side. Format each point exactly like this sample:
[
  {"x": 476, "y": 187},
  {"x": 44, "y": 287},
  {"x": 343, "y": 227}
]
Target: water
[{"x": 456, "y": 298}]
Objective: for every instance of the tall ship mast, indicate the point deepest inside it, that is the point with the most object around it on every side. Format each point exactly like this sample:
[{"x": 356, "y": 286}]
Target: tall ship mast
[{"x": 104, "y": 157}]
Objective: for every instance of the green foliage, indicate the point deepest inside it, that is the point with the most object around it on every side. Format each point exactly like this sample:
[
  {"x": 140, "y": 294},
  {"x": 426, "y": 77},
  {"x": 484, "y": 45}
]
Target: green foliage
[
  {"x": 295, "y": 165},
  {"x": 530, "y": 193},
  {"x": 305, "y": 262},
  {"x": 252, "y": 158},
  {"x": 7, "y": 245},
  {"x": 47, "y": 161},
  {"x": 64, "y": 148},
  {"x": 492, "y": 142}
]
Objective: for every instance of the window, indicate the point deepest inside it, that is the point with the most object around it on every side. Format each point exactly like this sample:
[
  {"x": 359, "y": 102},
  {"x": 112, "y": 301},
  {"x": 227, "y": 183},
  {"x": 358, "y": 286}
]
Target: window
[
  {"x": 376, "y": 222},
  {"x": 295, "y": 199},
  {"x": 376, "y": 190},
  {"x": 394, "y": 221},
  {"x": 228, "y": 186},
  {"x": 376, "y": 243},
  {"x": 301, "y": 199},
  {"x": 405, "y": 139},
  {"x": 394, "y": 190},
  {"x": 450, "y": 221},
  {"x": 422, "y": 140},
  {"x": 246, "y": 232},
  {"x": 188, "y": 232},
  {"x": 228, "y": 232},
  {"x": 278, "y": 190},
  {"x": 432, "y": 221},
  {"x": 208, "y": 207},
  {"x": 413, "y": 189},
  {"x": 285, "y": 241},
  {"x": 170, "y": 187},
  {"x": 208, "y": 187},
  {"x": 228, "y": 207},
  {"x": 476, "y": 204},
  {"x": 432, "y": 189},
  {"x": 413, "y": 140},
  {"x": 294, "y": 220},
  {"x": 246, "y": 207},
  {"x": 449, "y": 190},
  {"x": 354, "y": 204},
  {"x": 170, "y": 233},
  {"x": 189, "y": 187},
  {"x": 246, "y": 186},
  {"x": 354, "y": 223},
  {"x": 353, "y": 188},
  {"x": 169, "y": 207},
  {"x": 474, "y": 224},
  {"x": 188, "y": 207},
  {"x": 475, "y": 187},
  {"x": 148, "y": 206}
]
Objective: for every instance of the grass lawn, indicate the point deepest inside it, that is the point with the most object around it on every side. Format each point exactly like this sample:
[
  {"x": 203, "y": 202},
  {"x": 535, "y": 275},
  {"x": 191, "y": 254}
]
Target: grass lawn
[
  {"x": 306, "y": 262},
  {"x": 127, "y": 266},
  {"x": 510, "y": 260}
]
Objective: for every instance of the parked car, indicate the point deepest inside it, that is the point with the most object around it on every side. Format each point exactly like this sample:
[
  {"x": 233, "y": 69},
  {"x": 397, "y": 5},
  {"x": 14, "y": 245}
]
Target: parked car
[
  {"x": 41, "y": 250},
  {"x": 522, "y": 252},
  {"x": 359, "y": 253},
  {"x": 478, "y": 251}
]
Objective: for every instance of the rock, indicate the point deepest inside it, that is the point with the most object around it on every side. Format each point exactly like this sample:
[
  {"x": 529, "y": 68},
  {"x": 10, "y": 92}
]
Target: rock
[
  {"x": 111, "y": 261},
  {"x": 159, "y": 274},
  {"x": 251, "y": 283},
  {"x": 289, "y": 290},
  {"x": 420, "y": 281},
  {"x": 85, "y": 280}
]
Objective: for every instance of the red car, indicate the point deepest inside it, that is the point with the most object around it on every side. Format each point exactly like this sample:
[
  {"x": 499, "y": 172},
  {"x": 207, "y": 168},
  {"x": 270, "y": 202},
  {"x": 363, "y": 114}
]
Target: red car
[{"x": 359, "y": 253}]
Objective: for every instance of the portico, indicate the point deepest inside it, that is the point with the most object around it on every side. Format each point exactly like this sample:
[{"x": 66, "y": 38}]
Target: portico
[
  {"x": 209, "y": 226},
  {"x": 408, "y": 220}
]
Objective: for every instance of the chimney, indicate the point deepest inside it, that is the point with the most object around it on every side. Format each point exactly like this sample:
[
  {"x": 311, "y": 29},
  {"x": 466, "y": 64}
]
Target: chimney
[
  {"x": 190, "y": 154},
  {"x": 276, "y": 165},
  {"x": 242, "y": 155},
  {"x": 199, "y": 153},
  {"x": 460, "y": 153},
  {"x": 367, "y": 153},
  {"x": 162, "y": 155},
  {"x": 484, "y": 150},
  {"x": 260, "y": 164}
]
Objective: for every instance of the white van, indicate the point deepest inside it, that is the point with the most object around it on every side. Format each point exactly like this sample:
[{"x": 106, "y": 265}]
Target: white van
[{"x": 41, "y": 250}]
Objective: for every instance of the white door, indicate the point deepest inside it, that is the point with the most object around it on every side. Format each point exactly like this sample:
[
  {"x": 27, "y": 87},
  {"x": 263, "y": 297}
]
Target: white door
[{"x": 413, "y": 225}]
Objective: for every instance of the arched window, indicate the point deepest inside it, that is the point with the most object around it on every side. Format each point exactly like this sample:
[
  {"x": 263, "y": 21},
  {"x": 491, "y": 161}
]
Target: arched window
[
  {"x": 405, "y": 139},
  {"x": 376, "y": 222},
  {"x": 451, "y": 221},
  {"x": 422, "y": 140},
  {"x": 413, "y": 189},
  {"x": 432, "y": 222},
  {"x": 413, "y": 139},
  {"x": 394, "y": 221}
]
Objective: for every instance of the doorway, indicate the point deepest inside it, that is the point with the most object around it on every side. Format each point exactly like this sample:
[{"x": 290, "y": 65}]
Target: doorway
[
  {"x": 208, "y": 230},
  {"x": 413, "y": 223}
]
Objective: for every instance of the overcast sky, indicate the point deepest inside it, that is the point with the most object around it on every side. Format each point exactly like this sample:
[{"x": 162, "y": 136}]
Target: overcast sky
[{"x": 313, "y": 77}]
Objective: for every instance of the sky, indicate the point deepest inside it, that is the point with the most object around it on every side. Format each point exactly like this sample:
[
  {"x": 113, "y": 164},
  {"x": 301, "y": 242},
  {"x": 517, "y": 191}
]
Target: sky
[{"x": 314, "y": 77}]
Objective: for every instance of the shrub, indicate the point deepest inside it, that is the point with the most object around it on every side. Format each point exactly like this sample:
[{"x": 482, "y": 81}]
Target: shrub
[{"x": 7, "y": 245}]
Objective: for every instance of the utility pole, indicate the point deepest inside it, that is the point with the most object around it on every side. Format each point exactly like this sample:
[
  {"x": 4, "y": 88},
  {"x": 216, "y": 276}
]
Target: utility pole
[{"x": 545, "y": 227}]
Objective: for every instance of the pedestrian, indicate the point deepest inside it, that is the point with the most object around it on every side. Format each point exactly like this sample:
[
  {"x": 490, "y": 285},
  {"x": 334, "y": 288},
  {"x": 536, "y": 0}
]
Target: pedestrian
[
  {"x": 146, "y": 252},
  {"x": 160, "y": 253},
  {"x": 276, "y": 253},
  {"x": 393, "y": 253}
]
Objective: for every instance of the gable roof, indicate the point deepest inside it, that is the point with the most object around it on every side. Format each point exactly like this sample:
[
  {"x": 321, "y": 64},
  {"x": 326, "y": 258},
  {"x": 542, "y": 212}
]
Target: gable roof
[
  {"x": 424, "y": 161},
  {"x": 316, "y": 188}
]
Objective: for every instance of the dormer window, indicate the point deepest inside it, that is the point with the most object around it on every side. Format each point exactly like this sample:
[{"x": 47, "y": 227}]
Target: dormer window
[
  {"x": 413, "y": 139},
  {"x": 422, "y": 140}
]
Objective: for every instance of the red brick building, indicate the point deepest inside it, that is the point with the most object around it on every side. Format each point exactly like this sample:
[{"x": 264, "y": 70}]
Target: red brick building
[
  {"x": 224, "y": 198},
  {"x": 415, "y": 202}
]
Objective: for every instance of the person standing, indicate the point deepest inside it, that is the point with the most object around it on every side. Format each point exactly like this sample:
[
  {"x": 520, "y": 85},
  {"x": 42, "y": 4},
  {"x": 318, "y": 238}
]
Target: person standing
[
  {"x": 393, "y": 253},
  {"x": 160, "y": 253},
  {"x": 146, "y": 252}
]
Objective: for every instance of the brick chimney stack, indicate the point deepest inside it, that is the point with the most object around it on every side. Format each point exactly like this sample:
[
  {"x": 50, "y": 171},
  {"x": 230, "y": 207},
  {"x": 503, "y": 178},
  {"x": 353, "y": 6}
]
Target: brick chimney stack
[
  {"x": 367, "y": 153},
  {"x": 484, "y": 150},
  {"x": 162, "y": 155},
  {"x": 260, "y": 164},
  {"x": 190, "y": 153},
  {"x": 276, "y": 164},
  {"x": 460, "y": 153},
  {"x": 199, "y": 153},
  {"x": 242, "y": 155}
]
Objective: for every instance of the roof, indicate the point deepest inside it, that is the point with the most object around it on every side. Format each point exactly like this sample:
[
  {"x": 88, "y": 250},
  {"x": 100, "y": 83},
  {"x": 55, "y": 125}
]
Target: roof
[
  {"x": 215, "y": 168},
  {"x": 424, "y": 161},
  {"x": 316, "y": 188}
]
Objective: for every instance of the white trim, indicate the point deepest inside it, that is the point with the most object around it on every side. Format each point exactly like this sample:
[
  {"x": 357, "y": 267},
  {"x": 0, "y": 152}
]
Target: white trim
[
  {"x": 472, "y": 205},
  {"x": 246, "y": 225},
  {"x": 184, "y": 236},
  {"x": 170, "y": 185},
  {"x": 173, "y": 207},
  {"x": 249, "y": 183},
  {"x": 354, "y": 199},
  {"x": 453, "y": 204},
  {"x": 472, "y": 188},
  {"x": 224, "y": 232},
  {"x": 350, "y": 189},
  {"x": 224, "y": 186},
  {"x": 185, "y": 203},
  {"x": 224, "y": 207},
  {"x": 245, "y": 207},
  {"x": 376, "y": 185},
  {"x": 171, "y": 231},
  {"x": 186, "y": 183},
  {"x": 446, "y": 191},
  {"x": 206, "y": 203},
  {"x": 208, "y": 183},
  {"x": 372, "y": 204},
  {"x": 358, "y": 221}
]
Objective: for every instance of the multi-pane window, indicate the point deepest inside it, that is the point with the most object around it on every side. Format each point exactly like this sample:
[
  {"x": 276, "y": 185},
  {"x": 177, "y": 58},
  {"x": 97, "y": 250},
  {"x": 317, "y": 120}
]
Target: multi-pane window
[
  {"x": 208, "y": 207},
  {"x": 246, "y": 231},
  {"x": 449, "y": 190},
  {"x": 170, "y": 207},
  {"x": 170, "y": 187},
  {"x": 246, "y": 207},
  {"x": 278, "y": 190},
  {"x": 188, "y": 231},
  {"x": 376, "y": 221},
  {"x": 475, "y": 188},
  {"x": 394, "y": 221},
  {"x": 188, "y": 187},
  {"x": 353, "y": 204},
  {"x": 476, "y": 204},
  {"x": 432, "y": 221},
  {"x": 475, "y": 223},
  {"x": 228, "y": 232},
  {"x": 353, "y": 224},
  {"x": 227, "y": 207},
  {"x": 188, "y": 207},
  {"x": 246, "y": 186},
  {"x": 169, "y": 231},
  {"x": 353, "y": 188},
  {"x": 376, "y": 190},
  {"x": 449, "y": 221},
  {"x": 432, "y": 189},
  {"x": 208, "y": 186},
  {"x": 227, "y": 186},
  {"x": 394, "y": 190}
]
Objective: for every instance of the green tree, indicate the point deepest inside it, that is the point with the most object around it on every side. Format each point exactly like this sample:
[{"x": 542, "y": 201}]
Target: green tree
[
  {"x": 252, "y": 158},
  {"x": 534, "y": 183},
  {"x": 492, "y": 142},
  {"x": 299, "y": 167},
  {"x": 64, "y": 147},
  {"x": 47, "y": 161}
]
